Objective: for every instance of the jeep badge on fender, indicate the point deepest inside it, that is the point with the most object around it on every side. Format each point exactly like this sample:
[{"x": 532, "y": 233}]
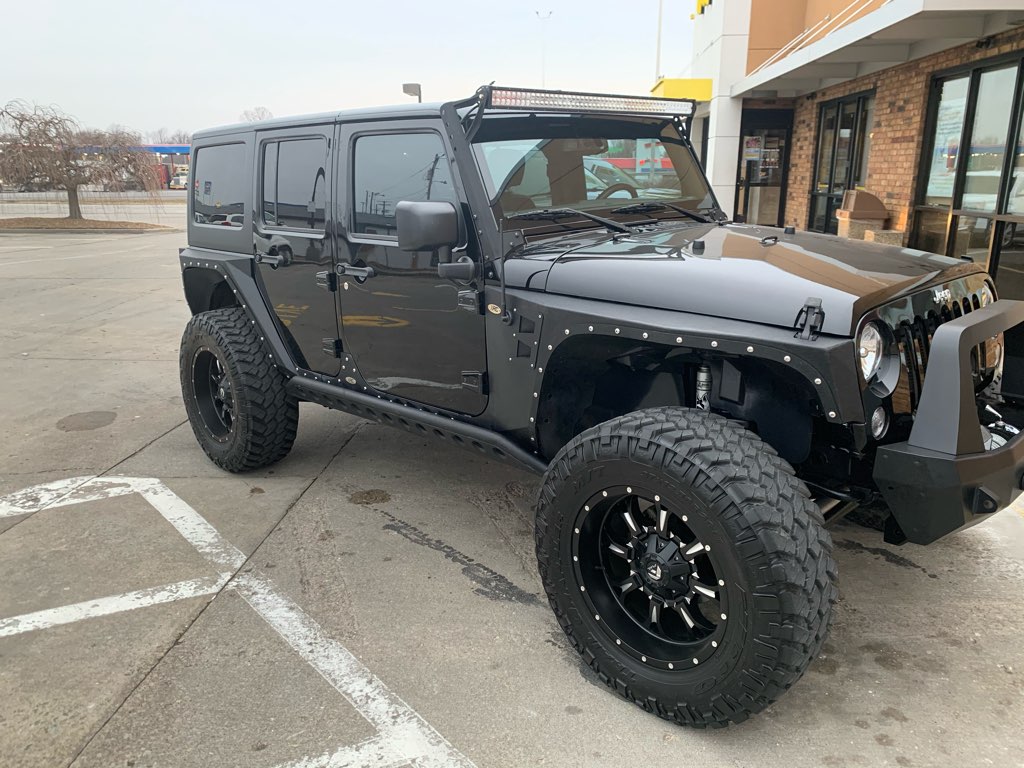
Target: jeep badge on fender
[{"x": 546, "y": 278}]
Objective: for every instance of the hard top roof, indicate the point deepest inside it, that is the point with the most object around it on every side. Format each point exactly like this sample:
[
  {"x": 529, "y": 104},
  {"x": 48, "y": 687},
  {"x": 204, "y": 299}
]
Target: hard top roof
[
  {"x": 390, "y": 112},
  {"x": 486, "y": 98}
]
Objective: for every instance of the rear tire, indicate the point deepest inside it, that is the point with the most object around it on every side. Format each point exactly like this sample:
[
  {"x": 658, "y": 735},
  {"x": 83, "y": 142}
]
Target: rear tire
[
  {"x": 736, "y": 523},
  {"x": 236, "y": 400}
]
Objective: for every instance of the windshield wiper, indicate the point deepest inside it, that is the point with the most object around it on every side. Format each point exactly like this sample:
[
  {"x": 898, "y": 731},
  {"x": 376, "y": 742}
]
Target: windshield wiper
[
  {"x": 649, "y": 207},
  {"x": 561, "y": 213}
]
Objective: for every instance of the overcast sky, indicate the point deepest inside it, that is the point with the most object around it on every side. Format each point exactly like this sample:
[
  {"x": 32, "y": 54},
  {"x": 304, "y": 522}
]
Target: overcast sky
[{"x": 189, "y": 64}]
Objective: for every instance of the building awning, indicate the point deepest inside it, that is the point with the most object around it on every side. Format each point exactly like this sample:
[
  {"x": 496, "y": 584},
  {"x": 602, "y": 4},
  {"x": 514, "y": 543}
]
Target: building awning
[{"x": 899, "y": 31}]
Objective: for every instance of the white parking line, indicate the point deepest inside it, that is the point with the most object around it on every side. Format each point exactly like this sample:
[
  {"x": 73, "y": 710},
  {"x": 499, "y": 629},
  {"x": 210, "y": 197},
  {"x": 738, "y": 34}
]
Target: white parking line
[
  {"x": 403, "y": 736},
  {"x": 104, "y": 606}
]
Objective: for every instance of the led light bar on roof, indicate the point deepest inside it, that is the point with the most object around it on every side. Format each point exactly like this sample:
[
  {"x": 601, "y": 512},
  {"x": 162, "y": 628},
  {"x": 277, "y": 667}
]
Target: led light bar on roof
[{"x": 566, "y": 101}]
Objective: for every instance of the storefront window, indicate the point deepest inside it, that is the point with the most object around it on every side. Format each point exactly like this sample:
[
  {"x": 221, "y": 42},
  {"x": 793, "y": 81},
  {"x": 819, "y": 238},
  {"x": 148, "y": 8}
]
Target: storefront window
[
  {"x": 971, "y": 238},
  {"x": 930, "y": 233},
  {"x": 949, "y": 125},
  {"x": 1015, "y": 202},
  {"x": 826, "y": 138},
  {"x": 987, "y": 148},
  {"x": 866, "y": 131}
]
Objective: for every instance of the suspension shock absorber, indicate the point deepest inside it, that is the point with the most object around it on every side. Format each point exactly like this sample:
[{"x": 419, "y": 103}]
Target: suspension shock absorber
[{"x": 704, "y": 387}]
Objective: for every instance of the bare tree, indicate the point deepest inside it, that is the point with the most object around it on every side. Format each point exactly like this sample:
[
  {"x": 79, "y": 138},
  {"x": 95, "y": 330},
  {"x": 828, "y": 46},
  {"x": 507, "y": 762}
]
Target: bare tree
[
  {"x": 255, "y": 114},
  {"x": 42, "y": 145},
  {"x": 163, "y": 136}
]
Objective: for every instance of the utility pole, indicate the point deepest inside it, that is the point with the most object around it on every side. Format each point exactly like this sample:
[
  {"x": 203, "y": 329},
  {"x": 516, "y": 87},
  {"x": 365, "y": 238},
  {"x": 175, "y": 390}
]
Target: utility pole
[
  {"x": 430, "y": 174},
  {"x": 543, "y": 46},
  {"x": 657, "y": 47}
]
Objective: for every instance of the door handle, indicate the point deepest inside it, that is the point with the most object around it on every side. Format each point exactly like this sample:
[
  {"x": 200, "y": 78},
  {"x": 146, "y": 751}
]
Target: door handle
[
  {"x": 272, "y": 260},
  {"x": 350, "y": 270}
]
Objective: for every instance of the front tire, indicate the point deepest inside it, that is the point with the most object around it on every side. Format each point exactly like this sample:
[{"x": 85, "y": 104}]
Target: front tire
[
  {"x": 240, "y": 411},
  {"x": 686, "y": 563}
]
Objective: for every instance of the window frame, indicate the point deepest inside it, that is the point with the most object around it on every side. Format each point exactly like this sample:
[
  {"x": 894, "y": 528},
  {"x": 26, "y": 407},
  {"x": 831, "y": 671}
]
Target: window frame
[
  {"x": 261, "y": 153},
  {"x": 350, "y": 208},
  {"x": 955, "y": 210},
  {"x": 195, "y": 166}
]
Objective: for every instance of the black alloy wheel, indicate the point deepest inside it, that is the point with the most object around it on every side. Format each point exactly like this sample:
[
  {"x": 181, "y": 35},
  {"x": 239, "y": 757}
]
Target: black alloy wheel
[
  {"x": 211, "y": 387},
  {"x": 650, "y": 577}
]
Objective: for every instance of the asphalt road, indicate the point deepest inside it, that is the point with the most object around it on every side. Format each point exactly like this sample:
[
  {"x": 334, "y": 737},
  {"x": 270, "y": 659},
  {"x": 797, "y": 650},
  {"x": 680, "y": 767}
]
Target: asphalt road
[{"x": 372, "y": 599}]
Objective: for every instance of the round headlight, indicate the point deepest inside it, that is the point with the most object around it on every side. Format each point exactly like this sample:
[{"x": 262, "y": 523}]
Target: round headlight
[
  {"x": 987, "y": 296},
  {"x": 870, "y": 347}
]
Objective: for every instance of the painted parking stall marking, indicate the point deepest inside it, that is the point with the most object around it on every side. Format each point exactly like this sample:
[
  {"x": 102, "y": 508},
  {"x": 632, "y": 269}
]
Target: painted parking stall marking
[{"x": 403, "y": 736}]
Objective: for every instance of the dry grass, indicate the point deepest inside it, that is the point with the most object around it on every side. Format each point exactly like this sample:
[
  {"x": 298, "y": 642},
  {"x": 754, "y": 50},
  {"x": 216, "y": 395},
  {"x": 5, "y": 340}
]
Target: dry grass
[{"x": 53, "y": 223}]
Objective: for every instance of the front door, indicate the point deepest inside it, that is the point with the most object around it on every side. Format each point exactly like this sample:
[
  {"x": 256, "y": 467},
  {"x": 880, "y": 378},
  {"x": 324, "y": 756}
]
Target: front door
[
  {"x": 844, "y": 143},
  {"x": 290, "y": 241},
  {"x": 761, "y": 179},
  {"x": 410, "y": 332}
]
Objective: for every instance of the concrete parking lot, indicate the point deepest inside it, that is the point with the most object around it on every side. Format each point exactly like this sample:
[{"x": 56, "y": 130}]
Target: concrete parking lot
[
  {"x": 372, "y": 599},
  {"x": 165, "y": 207}
]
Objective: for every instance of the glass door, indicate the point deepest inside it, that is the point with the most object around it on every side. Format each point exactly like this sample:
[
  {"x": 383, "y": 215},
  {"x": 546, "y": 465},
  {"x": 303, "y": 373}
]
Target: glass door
[
  {"x": 761, "y": 176},
  {"x": 844, "y": 142}
]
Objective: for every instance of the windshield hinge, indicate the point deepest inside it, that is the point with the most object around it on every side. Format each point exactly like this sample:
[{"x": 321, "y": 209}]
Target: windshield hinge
[{"x": 809, "y": 320}]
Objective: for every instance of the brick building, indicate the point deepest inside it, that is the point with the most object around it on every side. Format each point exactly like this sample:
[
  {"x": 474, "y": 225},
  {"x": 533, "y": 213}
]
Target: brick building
[{"x": 916, "y": 102}]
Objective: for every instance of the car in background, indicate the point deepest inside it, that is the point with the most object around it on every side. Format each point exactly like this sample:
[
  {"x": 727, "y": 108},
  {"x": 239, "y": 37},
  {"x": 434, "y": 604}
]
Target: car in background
[{"x": 179, "y": 181}]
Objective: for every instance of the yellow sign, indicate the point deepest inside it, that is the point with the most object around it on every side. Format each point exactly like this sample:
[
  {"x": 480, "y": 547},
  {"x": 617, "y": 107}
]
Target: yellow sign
[
  {"x": 701, "y": 5},
  {"x": 697, "y": 88}
]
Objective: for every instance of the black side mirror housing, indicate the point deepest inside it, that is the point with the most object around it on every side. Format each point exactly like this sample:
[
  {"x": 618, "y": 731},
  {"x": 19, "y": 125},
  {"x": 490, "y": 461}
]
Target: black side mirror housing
[{"x": 427, "y": 226}]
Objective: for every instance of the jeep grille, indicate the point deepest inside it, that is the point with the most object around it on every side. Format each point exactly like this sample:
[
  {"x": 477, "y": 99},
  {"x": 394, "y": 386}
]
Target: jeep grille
[{"x": 914, "y": 339}]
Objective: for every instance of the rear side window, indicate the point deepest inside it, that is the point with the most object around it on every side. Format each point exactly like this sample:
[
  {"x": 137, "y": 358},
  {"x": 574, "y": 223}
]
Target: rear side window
[
  {"x": 219, "y": 185},
  {"x": 393, "y": 167},
  {"x": 294, "y": 183}
]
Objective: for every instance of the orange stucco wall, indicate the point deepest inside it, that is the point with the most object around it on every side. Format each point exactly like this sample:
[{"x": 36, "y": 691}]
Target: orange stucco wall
[{"x": 774, "y": 23}]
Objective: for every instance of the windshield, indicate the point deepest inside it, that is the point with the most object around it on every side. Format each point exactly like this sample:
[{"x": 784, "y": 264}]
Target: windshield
[{"x": 593, "y": 164}]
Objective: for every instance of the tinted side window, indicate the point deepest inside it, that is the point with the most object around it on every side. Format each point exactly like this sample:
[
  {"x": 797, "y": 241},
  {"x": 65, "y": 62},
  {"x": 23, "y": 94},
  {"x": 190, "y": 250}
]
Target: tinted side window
[
  {"x": 395, "y": 167},
  {"x": 294, "y": 183},
  {"x": 219, "y": 185}
]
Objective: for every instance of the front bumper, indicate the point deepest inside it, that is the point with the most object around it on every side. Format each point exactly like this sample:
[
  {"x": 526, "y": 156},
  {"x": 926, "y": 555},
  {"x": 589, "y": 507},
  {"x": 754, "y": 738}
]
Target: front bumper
[{"x": 942, "y": 478}]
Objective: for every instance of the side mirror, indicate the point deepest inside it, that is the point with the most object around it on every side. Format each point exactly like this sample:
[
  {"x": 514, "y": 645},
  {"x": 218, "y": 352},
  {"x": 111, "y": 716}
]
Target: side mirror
[{"x": 427, "y": 226}]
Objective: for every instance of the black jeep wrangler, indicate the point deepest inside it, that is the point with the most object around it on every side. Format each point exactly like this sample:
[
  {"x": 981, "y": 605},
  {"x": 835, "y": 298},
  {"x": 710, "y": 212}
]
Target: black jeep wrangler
[{"x": 546, "y": 278}]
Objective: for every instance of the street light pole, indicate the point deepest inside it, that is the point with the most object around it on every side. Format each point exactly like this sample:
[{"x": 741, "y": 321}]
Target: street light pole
[
  {"x": 657, "y": 48},
  {"x": 543, "y": 41}
]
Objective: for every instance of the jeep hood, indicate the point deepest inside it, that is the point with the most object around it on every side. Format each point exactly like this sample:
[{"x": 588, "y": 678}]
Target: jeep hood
[{"x": 743, "y": 273}]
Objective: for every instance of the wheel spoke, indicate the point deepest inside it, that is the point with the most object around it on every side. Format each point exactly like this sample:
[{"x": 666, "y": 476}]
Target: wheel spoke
[
  {"x": 626, "y": 587},
  {"x": 685, "y": 614},
  {"x": 631, "y": 522},
  {"x": 654, "y": 615},
  {"x": 662, "y": 519},
  {"x": 695, "y": 549},
  {"x": 619, "y": 550},
  {"x": 705, "y": 590}
]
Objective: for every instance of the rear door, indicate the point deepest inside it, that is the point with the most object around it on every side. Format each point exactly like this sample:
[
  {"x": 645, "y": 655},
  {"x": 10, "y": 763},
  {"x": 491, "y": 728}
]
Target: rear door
[
  {"x": 290, "y": 239},
  {"x": 410, "y": 332}
]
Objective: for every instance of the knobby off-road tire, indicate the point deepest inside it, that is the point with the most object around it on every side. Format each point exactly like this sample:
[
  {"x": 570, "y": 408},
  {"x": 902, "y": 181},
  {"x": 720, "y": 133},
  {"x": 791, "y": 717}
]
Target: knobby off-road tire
[
  {"x": 730, "y": 498},
  {"x": 249, "y": 420}
]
